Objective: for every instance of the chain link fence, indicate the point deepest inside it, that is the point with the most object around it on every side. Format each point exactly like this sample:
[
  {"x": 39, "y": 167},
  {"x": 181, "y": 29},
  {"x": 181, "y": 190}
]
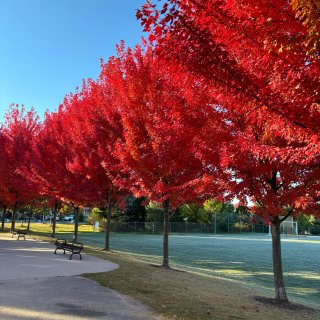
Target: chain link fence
[
  {"x": 185, "y": 227},
  {"x": 188, "y": 227},
  {"x": 221, "y": 223}
]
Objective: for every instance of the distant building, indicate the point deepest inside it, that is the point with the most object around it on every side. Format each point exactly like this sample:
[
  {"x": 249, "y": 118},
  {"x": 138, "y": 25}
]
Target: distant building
[{"x": 86, "y": 211}]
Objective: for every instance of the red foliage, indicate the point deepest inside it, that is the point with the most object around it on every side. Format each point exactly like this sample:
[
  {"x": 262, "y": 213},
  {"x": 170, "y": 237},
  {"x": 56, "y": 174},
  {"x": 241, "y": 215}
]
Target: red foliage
[
  {"x": 256, "y": 56},
  {"x": 161, "y": 120},
  {"x": 253, "y": 57},
  {"x": 68, "y": 163},
  {"x": 16, "y": 139},
  {"x": 93, "y": 128}
]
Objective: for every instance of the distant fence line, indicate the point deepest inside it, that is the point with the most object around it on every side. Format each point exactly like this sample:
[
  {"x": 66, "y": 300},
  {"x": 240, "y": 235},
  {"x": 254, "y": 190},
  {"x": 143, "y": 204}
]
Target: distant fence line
[
  {"x": 212, "y": 228},
  {"x": 185, "y": 227}
]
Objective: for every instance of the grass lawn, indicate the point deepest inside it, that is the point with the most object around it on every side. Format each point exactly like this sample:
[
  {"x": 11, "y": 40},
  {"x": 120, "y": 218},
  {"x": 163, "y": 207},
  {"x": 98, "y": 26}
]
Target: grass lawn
[
  {"x": 241, "y": 258},
  {"x": 45, "y": 228},
  {"x": 189, "y": 296}
]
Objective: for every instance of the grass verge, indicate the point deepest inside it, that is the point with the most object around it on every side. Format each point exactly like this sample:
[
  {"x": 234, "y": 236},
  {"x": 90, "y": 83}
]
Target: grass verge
[{"x": 184, "y": 295}]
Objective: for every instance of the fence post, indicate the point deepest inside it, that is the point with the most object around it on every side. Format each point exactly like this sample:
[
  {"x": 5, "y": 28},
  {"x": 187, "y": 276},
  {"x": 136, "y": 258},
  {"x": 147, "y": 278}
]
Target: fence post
[
  {"x": 215, "y": 223},
  {"x": 135, "y": 227},
  {"x": 228, "y": 223}
]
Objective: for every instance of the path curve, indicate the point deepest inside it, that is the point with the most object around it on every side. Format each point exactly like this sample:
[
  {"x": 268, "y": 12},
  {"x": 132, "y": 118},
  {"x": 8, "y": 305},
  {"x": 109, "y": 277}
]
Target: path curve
[{"x": 37, "y": 284}]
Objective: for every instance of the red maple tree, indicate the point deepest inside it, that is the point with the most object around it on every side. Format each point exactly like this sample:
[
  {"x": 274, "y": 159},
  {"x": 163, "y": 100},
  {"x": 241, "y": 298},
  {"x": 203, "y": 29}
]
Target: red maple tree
[
  {"x": 17, "y": 135},
  {"x": 93, "y": 128},
  {"x": 161, "y": 118},
  {"x": 276, "y": 189}
]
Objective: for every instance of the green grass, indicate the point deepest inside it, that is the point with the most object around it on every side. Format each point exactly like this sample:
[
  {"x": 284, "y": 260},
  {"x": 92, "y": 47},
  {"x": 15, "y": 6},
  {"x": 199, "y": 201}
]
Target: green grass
[
  {"x": 245, "y": 259},
  {"x": 45, "y": 228},
  {"x": 189, "y": 296}
]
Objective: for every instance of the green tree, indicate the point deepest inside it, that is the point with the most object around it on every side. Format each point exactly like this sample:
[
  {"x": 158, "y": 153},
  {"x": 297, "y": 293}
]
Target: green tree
[
  {"x": 222, "y": 214},
  {"x": 96, "y": 216},
  {"x": 135, "y": 210},
  {"x": 194, "y": 213},
  {"x": 306, "y": 222},
  {"x": 154, "y": 212}
]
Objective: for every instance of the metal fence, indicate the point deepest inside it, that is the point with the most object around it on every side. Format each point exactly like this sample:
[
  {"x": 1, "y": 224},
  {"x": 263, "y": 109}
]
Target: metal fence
[
  {"x": 182, "y": 227},
  {"x": 212, "y": 228}
]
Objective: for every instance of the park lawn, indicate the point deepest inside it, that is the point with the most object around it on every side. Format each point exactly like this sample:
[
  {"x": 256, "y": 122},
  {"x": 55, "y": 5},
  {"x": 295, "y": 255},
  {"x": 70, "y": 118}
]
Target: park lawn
[
  {"x": 185, "y": 295},
  {"x": 243, "y": 258},
  {"x": 46, "y": 228}
]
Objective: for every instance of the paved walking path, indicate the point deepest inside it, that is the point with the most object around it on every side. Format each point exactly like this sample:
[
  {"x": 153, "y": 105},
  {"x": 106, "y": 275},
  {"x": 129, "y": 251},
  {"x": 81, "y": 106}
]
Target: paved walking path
[{"x": 37, "y": 284}]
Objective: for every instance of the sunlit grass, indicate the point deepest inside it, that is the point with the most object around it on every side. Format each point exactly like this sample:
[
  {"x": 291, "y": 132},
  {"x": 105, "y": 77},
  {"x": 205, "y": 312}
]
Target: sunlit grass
[{"x": 46, "y": 228}]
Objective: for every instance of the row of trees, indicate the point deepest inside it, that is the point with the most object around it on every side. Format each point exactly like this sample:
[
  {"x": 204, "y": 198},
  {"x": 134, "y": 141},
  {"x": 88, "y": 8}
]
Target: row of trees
[
  {"x": 260, "y": 62},
  {"x": 223, "y": 104}
]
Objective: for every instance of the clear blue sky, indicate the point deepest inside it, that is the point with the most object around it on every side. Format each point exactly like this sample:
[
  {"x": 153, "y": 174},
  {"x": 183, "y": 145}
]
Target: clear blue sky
[{"x": 48, "y": 46}]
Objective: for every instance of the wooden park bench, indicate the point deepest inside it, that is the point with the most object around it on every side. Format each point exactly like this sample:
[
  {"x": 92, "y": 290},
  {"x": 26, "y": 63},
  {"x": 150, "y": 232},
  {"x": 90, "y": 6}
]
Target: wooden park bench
[
  {"x": 20, "y": 233},
  {"x": 73, "y": 247}
]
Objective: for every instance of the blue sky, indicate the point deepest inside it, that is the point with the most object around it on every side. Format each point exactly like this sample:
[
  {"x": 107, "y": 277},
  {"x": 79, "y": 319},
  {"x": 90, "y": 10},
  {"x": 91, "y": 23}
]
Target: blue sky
[{"x": 48, "y": 46}]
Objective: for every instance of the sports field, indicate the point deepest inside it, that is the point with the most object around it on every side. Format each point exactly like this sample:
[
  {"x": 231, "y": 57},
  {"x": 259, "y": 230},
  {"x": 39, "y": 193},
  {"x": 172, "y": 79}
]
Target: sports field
[{"x": 244, "y": 258}]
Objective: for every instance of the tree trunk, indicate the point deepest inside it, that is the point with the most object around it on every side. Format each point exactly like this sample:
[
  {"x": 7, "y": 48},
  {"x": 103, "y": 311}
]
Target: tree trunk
[
  {"x": 29, "y": 220},
  {"x": 107, "y": 234},
  {"x": 14, "y": 213},
  {"x": 54, "y": 221},
  {"x": 76, "y": 223},
  {"x": 3, "y": 217},
  {"x": 280, "y": 290},
  {"x": 166, "y": 218}
]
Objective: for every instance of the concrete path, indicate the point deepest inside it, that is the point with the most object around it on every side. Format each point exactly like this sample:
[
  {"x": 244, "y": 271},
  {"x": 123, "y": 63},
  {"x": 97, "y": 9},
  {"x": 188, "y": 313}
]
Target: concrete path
[
  {"x": 35, "y": 259},
  {"x": 37, "y": 284}
]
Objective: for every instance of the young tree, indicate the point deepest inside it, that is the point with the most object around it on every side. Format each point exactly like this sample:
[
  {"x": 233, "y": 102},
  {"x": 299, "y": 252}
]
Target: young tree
[
  {"x": 17, "y": 135},
  {"x": 92, "y": 128},
  {"x": 160, "y": 116},
  {"x": 277, "y": 189},
  {"x": 49, "y": 170}
]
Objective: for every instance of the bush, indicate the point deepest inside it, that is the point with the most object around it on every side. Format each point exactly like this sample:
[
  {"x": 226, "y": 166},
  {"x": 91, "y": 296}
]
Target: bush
[{"x": 96, "y": 216}]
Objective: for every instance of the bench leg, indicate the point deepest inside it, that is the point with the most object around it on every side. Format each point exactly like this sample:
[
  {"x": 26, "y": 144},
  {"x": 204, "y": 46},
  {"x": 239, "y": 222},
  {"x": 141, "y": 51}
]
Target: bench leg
[{"x": 71, "y": 256}]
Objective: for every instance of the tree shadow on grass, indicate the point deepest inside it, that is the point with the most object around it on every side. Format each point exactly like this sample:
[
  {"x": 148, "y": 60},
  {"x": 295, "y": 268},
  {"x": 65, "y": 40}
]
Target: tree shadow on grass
[{"x": 287, "y": 305}]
